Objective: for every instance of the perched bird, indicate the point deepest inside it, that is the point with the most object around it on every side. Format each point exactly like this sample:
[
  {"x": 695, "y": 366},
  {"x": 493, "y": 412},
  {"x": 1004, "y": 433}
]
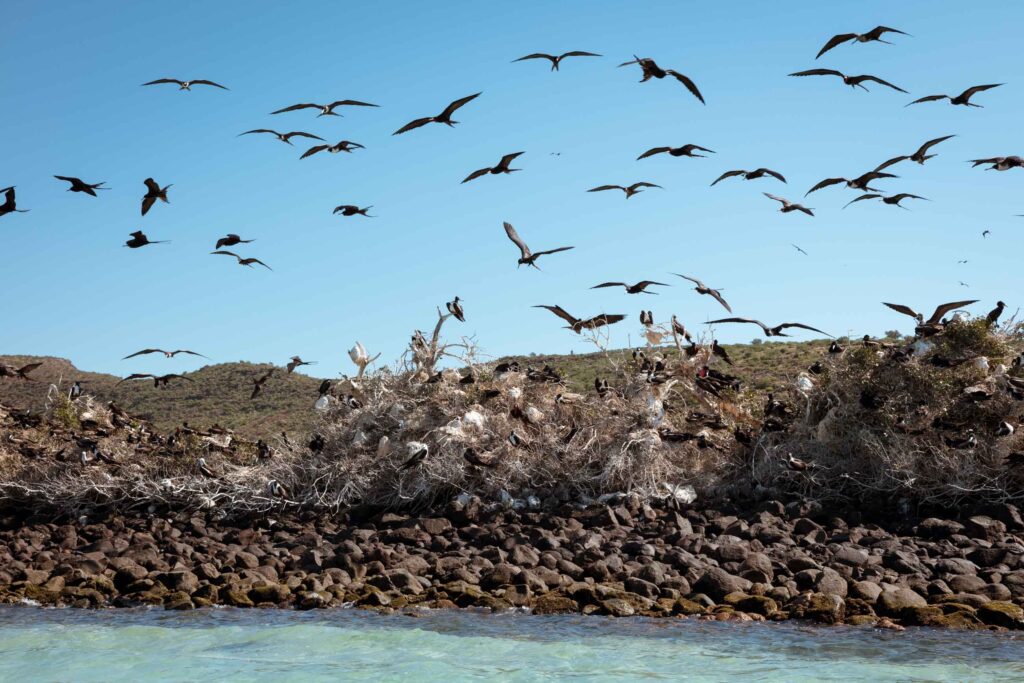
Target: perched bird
[
  {"x": 651, "y": 70},
  {"x": 796, "y": 464},
  {"x": 684, "y": 151},
  {"x": 10, "y": 204},
  {"x": 276, "y": 490},
  {"x": 874, "y": 34},
  {"x": 139, "y": 239},
  {"x": 852, "y": 81},
  {"x": 966, "y": 442},
  {"x": 749, "y": 175},
  {"x": 258, "y": 383},
  {"x": 455, "y": 308},
  {"x": 646, "y": 319},
  {"x": 702, "y": 288},
  {"x": 934, "y": 324},
  {"x": 719, "y": 351},
  {"x": 79, "y": 185},
  {"x": 638, "y": 288},
  {"x": 167, "y": 354},
  {"x": 474, "y": 458},
  {"x": 186, "y": 85},
  {"x": 343, "y": 146},
  {"x": 680, "y": 330},
  {"x": 352, "y": 210},
  {"x": 242, "y": 261},
  {"x": 353, "y": 402},
  {"x": 502, "y": 167},
  {"x": 153, "y": 193},
  {"x": 157, "y": 379},
  {"x": 963, "y": 98},
  {"x": 204, "y": 469},
  {"x": 993, "y": 316},
  {"x": 799, "y": 249},
  {"x": 893, "y": 200},
  {"x": 325, "y": 109},
  {"x": 556, "y": 59},
  {"x": 297, "y": 362},
  {"x": 999, "y": 163},
  {"x": 527, "y": 257},
  {"x": 444, "y": 117},
  {"x": 283, "y": 137},
  {"x": 75, "y": 391},
  {"x": 324, "y": 389},
  {"x": 516, "y": 441},
  {"x": 231, "y": 240},
  {"x": 920, "y": 156},
  {"x": 631, "y": 190},
  {"x": 577, "y": 325},
  {"x": 788, "y": 206},
  {"x": 769, "y": 331},
  {"x": 859, "y": 183},
  {"x": 835, "y": 348},
  {"x": 417, "y": 452},
  {"x": 1005, "y": 429}
]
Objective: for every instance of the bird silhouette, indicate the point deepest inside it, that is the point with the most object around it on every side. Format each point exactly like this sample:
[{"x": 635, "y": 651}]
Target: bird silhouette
[
  {"x": 999, "y": 163},
  {"x": 502, "y": 167},
  {"x": 153, "y": 193},
  {"x": 444, "y": 117},
  {"x": 352, "y": 210},
  {"x": 893, "y": 200},
  {"x": 158, "y": 380},
  {"x": 750, "y": 175},
  {"x": 78, "y": 185},
  {"x": 638, "y": 288},
  {"x": 186, "y": 85},
  {"x": 248, "y": 262},
  {"x": 852, "y": 81},
  {"x": 556, "y": 59},
  {"x": 859, "y": 183},
  {"x": 527, "y": 257},
  {"x": 963, "y": 98},
  {"x": 283, "y": 137},
  {"x": 577, "y": 325},
  {"x": 788, "y": 206},
  {"x": 874, "y": 34},
  {"x": 343, "y": 146},
  {"x": 296, "y": 362},
  {"x": 651, "y": 70},
  {"x": 139, "y": 239},
  {"x": 231, "y": 240},
  {"x": 258, "y": 382},
  {"x": 325, "y": 109},
  {"x": 776, "y": 331},
  {"x": 684, "y": 151},
  {"x": 920, "y": 156},
  {"x": 167, "y": 354},
  {"x": 10, "y": 204},
  {"x": 455, "y": 308},
  {"x": 635, "y": 188},
  {"x": 702, "y": 288}
]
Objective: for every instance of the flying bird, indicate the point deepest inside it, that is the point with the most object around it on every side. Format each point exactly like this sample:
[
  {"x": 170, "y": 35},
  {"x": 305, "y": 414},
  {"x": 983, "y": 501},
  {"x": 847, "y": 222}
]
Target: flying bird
[
  {"x": 352, "y": 210},
  {"x": 297, "y": 362},
  {"x": 20, "y": 373},
  {"x": 153, "y": 193},
  {"x": 788, "y": 206},
  {"x": 502, "y": 167},
  {"x": 139, "y": 239},
  {"x": 799, "y": 249},
  {"x": 157, "y": 379},
  {"x": 858, "y": 183},
  {"x": 343, "y": 146},
  {"x": 325, "y": 109},
  {"x": 684, "y": 151},
  {"x": 985, "y": 234},
  {"x": 258, "y": 382},
  {"x": 455, "y": 308},
  {"x": 749, "y": 175},
  {"x": 769, "y": 331},
  {"x": 635, "y": 188},
  {"x": 242, "y": 261},
  {"x": 78, "y": 185},
  {"x": 230, "y": 240},
  {"x": 874, "y": 34},
  {"x": 444, "y": 117},
  {"x": 936, "y": 317},
  {"x": 920, "y": 156},
  {"x": 702, "y": 288},
  {"x": 638, "y": 288},
  {"x": 963, "y": 98},
  {"x": 10, "y": 204},
  {"x": 167, "y": 354},
  {"x": 651, "y": 70},
  {"x": 283, "y": 137},
  {"x": 852, "y": 81},
  {"x": 527, "y": 257},
  {"x": 893, "y": 200},
  {"x": 556, "y": 59},
  {"x": 999, "y": 163},
  {"x": 186, "y": 85},
  {"x": 577, "y": 325}
]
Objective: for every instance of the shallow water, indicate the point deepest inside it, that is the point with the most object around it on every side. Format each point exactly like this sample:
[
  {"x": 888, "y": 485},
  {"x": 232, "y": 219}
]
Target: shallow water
[{"x": 245, "y": 645}]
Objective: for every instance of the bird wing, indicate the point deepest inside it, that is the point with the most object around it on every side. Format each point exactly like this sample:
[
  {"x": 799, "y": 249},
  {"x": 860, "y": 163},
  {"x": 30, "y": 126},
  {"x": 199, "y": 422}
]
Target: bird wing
[
  {"x": 690, "y": 85},
  {"x": 905, "y": 310},
  {"x": 942, "y": 310},
  {"x": 862, "y": 198},
  {"x": 536, "y": 55},
  {"x": 979, "y": 162},
  {"x": 834, "y": 41},
  {"x": 552, "y": 251},
  {"x": 978, "y": 88},
  {"x": 875, "y": 175},
  {"x": 644, "y": 184},
  {"x": 351, "y": 103},
  {"x": 226, "y": 253},
  {"x": 63, "y": 177},
  {"x": 29, "y": 367},
  {"x": 784, "y": 326},
  {"x": 313, "y": 150},
  {"x": 165, "y": 378},
  {"x": 142, "y": 353},
  {"x": 414, "y": 124},
  {"x": 929, "y": 98},
  {"x": 931, "y": 143},
  {"x": 703, "y": 149},
  {"x": 825, "y": 183},
  {"x": 579, "y": 53},
  {"x": 739, "y": 320},
  {"x": 203, "y": 81},
  {"x": 778, "y": 199},
  {"x": 718, "y": 297},
  {"x": 260, "y": 130},
  {"x": 256, "y": 260},
  {"x": 800, "y": 207},
  {"x": 602, "y": 188},
  {"x": 476, "y": 174},
  {"x": 652, "y": 151},
  {"x": 876, "y": 79},
  {"x": 561, "y": 313},
  {"x": 507, "y": 159},
  {"x": 296, "y": 107},
  {"x": 147, "y": 204},
  {"x": 890, "y": 162},
  {"x": 300, "y": 134},
  {"x": 691, "y": 279},
  {"x": 602, "y": 320},
  {"x": 191, "y": 353},
  {"x": 609, "y": 284},
  {"x": 906, "y": 195},
  {"x": 727, "y": 174},
  {"x": 647, "y": 283},
  {"x": 151, "y": 186},
  {"x": 517, "y": 240},
  {"x": 819, "y": 72},
  {"x": 877, "y": 32},
  {"x": 164, "y": 80},
  {"x": 774, "y": 174},
  {"x": 137, "y": 375},
  {"x": 450, "y": 109}
]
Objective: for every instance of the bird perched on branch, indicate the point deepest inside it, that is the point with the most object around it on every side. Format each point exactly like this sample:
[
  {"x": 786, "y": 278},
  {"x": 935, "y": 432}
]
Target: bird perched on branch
[
  {"x": 684, "y": 151},
  {"x": 963, "y": 98},
  {"x": 417, "y": 452},
  {"x": 167, "y": 354},
  {"x": 444, "y": 117},
  {"x": 325, "y": 109},
  {"x": 859, "y": 183},
  {"x": 258, "y": 383},
  {"x": 247, "y": 262},
  {"x": 352, "y": 210},
  {"x": 343, "y": 146},
  {"x": 79, "y": 185},
  {"x": 702, "y": 288},
  {"x": 231, "y": 240},
  {"x": 635, "y": 188},
  {"x": 186, "y": 85},
  {"x": 527, "y": 257},
  {"x": 577, "y": 325},
  {"x": 139, "y": 239},
  {"x": 769, "y": 331},
  {"x": 993, "y": 316},
  {"x": 502, "y": 167},
  {"x": 651, "y": 70},
  {"x": 788, "y": 206},
  {"x": 852, "y": 81},
  {"x": 204, "y": 469},
  {"x": 920, "y": 156},
  {"x": 638, "y": 288},
  {"x": 893, "y": 200},
  {"x": 874, "y": 34},
  {"x": 158, "y": 380},
  {"x": 276, "y": 490},
  {"x": 153, "y": 193},
  {"x": 296, "y": 362},
  {"x": 750, "y": 175},
  {"x": 455, "y": 308},
  {"x": 10, "y": 204},
  {"x": 283, "y": 137},
  {"x": 934, "y": 324},
  {"x": 556, "y": 59}
]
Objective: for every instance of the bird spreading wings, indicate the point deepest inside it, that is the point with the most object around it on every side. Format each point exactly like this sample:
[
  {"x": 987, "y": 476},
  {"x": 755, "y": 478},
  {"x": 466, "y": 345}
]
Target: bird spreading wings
[
  {"x": 920, "y": 156},
  {"x": 557, "y": 59},
  {"x": 444, "y": 117},
  {"x": 630, "y": 190},
  {"x": 167, "y": 354},
  {"x": 242, "y": 261},
  {"x": 185, "y": 85},
  {"x": 502, "y": 167},
  {"x": 526, "y": 257},
  {"x": 638, "y": 288},
  {"x": 874, "y": 34},
  {"x": 788, "y": 206},
  {"x": 702, "y": 288},
  {"x": 769, "y": 331},
  {"x": 852, "y": 81},
  {"x": 940, "y": 310},
  {"x": 577, "y": 325},
  {"x": 326, "y": 109},
  {"x": 750, "y": 175},
  {"x": 963, "y": 98}
]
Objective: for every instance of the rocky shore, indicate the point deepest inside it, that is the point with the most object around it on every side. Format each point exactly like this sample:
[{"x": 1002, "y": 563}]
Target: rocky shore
[{"x": 623, "y": 559}]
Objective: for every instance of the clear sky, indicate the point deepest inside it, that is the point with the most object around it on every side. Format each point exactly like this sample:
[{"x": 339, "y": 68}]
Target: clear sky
[{"x": 72, "y": 105}]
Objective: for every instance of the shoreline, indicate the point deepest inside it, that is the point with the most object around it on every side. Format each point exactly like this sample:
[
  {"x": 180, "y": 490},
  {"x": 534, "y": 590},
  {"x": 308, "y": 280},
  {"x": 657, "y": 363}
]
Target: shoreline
[{"x": 623, "y": 559}]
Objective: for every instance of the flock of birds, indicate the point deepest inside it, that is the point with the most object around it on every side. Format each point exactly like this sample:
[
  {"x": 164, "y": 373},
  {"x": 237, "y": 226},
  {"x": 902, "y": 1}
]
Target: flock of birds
[{"x": 650, "y": 69}]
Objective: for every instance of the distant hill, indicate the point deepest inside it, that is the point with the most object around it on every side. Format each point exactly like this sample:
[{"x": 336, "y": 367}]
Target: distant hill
[{"x": 220, "y": 393}]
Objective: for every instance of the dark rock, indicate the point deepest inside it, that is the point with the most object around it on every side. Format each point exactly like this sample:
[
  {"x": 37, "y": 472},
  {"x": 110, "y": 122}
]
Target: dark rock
[
  {"x": 1004, "y": 614},
  {"x": 717, "y": 583},
  {"x": 939, "y": 528},
  {"x": 894, "y": 601}
]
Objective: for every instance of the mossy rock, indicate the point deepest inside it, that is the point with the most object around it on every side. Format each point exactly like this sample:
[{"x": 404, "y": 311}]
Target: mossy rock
[
  {"x": 178, "y": 601},
  {"x": 41, "y": 595},
  {"x": 951, "y": 607},
  {"x": 858, "y": 606},
  {"x": 757, "y": 604},
  {"x": 202, "y": 602},
  {"x": 442, "y": 603},
  {"x": 861, "y": 620},
  {"x": 235, "y": 597},
  {"x": 1005, "y": 614},
  {"x": 688, "y": 607},
  {"x": 734, "y": 598},
  {"x": 824, "y": 608},
  {"x": 207, "y": 592},
  {"x": 150, "y": 597},
  {"x": 555, "y": 603},
  {"x": 274, "y": 593},
  {"x": 374, "y": 598},
  {"x": 493, "y": 603},
  {"x": 617, "y": 607},
  {"x": 928, "y": 615}
]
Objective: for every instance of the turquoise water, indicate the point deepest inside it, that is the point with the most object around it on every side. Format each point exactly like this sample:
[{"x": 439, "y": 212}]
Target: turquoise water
[{"x": 348, "y": 645}]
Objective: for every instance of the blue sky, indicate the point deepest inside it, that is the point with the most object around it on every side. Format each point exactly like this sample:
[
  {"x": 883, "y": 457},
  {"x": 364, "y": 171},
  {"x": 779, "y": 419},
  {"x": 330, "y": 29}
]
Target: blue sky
[{"x": 73, "y": 106}]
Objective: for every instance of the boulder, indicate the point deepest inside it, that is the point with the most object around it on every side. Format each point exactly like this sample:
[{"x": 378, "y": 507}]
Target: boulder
[{"x": 717, "y": 583}]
